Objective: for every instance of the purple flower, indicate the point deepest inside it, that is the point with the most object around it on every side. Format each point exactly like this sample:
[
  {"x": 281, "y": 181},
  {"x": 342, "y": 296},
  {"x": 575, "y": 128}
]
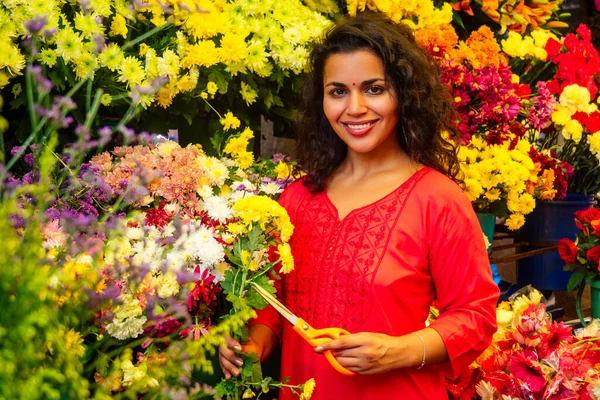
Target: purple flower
[
  {"x": 36, "y": 24},
  {"x": 99, "y": 42},
  {"x": 29, "y": 159},
  {"x": 65, "y": 102},
  {"x": 278, "y": 157},
  {"x": 48, "y": 33},
  {"x": 52, "y": 213},
  {"x": 15, "y": 150},
  {"x": 31, "y": 177},
  {"x": 18, "y": 221}
]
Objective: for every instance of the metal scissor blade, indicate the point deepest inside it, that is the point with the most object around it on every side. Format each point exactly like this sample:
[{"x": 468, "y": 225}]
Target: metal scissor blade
[{"x": 287, "y": 314}]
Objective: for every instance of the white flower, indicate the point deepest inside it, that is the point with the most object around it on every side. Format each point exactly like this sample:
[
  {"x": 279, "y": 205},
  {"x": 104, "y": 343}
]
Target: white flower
[
  {"x": 270, "y": 188},
  {"x": 218, "y": 209},
  {"x": 172, "y": 208},
  {"x": 134, "y": 233},
  {"x": 127, "y": 328},
  {"x": 485, "y": 390},
  {"x": 205, "y": 191}
]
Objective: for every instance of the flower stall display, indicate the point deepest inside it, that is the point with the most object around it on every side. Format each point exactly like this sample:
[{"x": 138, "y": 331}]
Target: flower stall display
[
  {"x": 532, "y": 357},
  {"x": 583, "y": 257},
  {"x": 512, "y": 15},
  {"x": 137, "y": 244},
  {"x": 563, "y": 70},
  {"x": 156, "y": 53}
]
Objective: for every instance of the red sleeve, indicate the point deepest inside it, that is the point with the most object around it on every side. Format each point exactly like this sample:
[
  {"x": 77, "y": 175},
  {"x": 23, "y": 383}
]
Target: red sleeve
[
  {"x": 269, "y": 316},
  {"x": 466, "y": 293}
]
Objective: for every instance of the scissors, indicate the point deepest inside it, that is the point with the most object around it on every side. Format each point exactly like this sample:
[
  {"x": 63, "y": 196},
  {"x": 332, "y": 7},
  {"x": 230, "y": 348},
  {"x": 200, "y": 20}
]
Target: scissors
[{"x": 313, "y": 336}]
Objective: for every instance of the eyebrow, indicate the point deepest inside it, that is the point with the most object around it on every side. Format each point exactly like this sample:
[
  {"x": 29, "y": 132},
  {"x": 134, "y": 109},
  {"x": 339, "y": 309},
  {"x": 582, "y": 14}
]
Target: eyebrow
[{"x": 364, "y": 83}]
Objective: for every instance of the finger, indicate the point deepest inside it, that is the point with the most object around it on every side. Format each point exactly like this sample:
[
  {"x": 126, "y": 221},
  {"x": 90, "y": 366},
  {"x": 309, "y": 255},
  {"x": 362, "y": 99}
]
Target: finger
[
  {"x": 228, "y": 367},
  {"x": 351, "y": 363},
  {"x": 230, "y": 356},
  {"x": 344, "y": 342},
  {"x": 232, "y": 343}
]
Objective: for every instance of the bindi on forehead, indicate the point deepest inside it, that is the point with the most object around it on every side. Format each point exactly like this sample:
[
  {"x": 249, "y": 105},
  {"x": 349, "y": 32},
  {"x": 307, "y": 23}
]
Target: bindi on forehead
[{"x": 353, "y": 83}]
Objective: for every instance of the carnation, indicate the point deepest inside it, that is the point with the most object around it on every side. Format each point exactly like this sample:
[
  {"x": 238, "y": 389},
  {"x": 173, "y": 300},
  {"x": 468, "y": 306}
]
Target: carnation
[{"x": 218, "y": 209}]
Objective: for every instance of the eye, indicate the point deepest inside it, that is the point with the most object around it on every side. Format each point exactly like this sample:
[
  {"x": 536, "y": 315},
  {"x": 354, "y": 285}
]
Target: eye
[
  {"x": 375, "y": 90},
  {"x": 337, "y": 92}
]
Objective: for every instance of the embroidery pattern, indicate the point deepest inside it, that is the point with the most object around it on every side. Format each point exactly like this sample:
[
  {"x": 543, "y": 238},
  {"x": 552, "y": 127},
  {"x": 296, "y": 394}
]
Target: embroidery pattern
[{"x": 336, "y": 261}]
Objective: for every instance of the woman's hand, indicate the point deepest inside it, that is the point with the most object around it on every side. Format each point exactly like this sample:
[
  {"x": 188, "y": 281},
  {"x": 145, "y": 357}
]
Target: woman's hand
[
  {"x": 230, "y": 361},
  {"x": 262, "y": 341},
  {"x": 368, "y": 353}
]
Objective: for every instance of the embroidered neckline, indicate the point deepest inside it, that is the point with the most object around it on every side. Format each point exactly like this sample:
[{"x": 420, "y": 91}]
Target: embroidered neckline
[{"x": 382, "y": 199}]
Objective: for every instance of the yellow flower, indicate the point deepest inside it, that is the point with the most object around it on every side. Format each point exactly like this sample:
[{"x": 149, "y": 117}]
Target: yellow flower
[
  {"x": 245, "y": 159},
  {"x": 131, "y": 71},
  {"x": 515, "y": 221},
  {"x": 68, "y": 44},
  {"x": 118, "y": 26},
  {"x": 233, "y": 48},
  {"x": 248, "y": 394},
  {"x": 106, "y": 99},
  {"x": 287, "y": 260},
  {"x": 308, "y": 389},
  {"x": 202, "y": 54},
  {"x": 11, "y": 58},
  {"x": 112, "y": 57},
  {"x": 17, "y": 89},
  {"x": 248, "y": 94},
  {"x": 283, "y": 170},
  {"x": 87, "y": 24},
  {"x": 204, "y": 95},
  {"x": 73, "y": 343},
  {"x": 594, "y": 141},
  {"x": 85, "y": 65},
  {"x": 48, "y": 57},
  {"x": 230, "y": 122},
  {"x": 211, "y": 88},
  {"x": 168, "y": 64},
  {"x": 492, "y": 195},
  {"x": 572, "y": 130}
]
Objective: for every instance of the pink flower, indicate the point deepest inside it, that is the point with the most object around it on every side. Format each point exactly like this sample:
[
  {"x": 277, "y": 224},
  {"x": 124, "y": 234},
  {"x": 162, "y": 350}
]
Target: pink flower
[{"x": 525, "y": 367}]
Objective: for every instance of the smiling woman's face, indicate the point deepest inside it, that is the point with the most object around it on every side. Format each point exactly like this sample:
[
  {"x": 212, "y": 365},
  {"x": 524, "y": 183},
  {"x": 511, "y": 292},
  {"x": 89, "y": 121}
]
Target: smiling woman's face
[{"x": 358, "y": 102}]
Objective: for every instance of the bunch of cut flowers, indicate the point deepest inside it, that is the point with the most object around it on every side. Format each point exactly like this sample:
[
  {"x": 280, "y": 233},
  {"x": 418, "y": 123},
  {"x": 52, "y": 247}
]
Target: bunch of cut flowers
[
  {"x": 583, "y": 255},
  {"x": 532, "y": 357}
]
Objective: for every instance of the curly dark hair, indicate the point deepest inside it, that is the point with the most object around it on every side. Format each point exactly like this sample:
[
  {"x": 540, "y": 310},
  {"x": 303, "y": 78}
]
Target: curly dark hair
[{"x": 424, "y": 104}]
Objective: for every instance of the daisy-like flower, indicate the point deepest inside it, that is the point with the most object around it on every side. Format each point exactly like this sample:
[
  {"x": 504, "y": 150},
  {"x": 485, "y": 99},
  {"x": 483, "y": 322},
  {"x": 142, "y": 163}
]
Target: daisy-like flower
[
  {"x": 218, "y": 209},
  {"x": 524, "y": 366}
]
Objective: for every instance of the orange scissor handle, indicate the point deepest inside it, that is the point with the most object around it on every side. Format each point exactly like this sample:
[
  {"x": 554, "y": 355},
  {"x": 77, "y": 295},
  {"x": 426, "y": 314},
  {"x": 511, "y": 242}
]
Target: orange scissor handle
[{"x": 316, "y": 337}]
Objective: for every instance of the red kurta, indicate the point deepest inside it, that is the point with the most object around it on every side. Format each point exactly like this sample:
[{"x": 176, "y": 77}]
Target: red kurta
[{"x": 378, "y": 270}]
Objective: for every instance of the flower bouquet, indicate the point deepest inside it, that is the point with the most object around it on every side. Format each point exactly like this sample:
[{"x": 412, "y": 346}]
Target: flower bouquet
[
  {"x": 532, "y": 357},
  {"x": 583, "y": 257}
]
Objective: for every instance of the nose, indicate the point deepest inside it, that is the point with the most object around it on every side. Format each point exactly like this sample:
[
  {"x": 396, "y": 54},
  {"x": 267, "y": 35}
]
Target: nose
[{"x": 357, "y": 104}]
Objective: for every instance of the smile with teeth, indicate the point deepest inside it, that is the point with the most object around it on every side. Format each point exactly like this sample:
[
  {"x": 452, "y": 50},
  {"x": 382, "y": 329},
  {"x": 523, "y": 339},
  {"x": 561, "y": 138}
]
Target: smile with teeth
[{"x": 359, "y": 126}]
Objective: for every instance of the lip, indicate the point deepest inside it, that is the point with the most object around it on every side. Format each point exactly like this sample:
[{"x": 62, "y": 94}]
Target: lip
[{"x": 359, "y": 132}]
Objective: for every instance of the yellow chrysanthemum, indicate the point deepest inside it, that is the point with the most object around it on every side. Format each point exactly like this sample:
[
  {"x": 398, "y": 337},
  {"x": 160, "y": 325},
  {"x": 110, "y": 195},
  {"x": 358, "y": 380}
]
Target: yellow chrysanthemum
[
  {"x": 233, "y": 48},
  {"x": 11, "y": 58},
  {"x": 131, "y": 71},
  {"x": 68, "y": 44},
  {"x": 168, "y": 64},
  {"x": 211, "y": 88},
  {"x": 308, "y": 389},
  {"x": 202, "y": 54},
  {"x": 248, "y": 93},
  {"x": 112, "y": 57},
  {"x": 515, "y": 221},
  {"x": 48, "y": 57},
  {"x": 118, "y": 26},
  {"x": 230, "y": 122},
  {"x": 87, "y": 24}
]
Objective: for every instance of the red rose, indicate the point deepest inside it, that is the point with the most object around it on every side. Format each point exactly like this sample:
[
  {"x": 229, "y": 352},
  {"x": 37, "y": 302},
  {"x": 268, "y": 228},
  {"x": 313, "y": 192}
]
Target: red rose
[
  {"x": 593, "y": 254},
  {"x": 552, "y": 48},
  {"x": 586, "y": 217},
  {"x": 567, "y": 250}
]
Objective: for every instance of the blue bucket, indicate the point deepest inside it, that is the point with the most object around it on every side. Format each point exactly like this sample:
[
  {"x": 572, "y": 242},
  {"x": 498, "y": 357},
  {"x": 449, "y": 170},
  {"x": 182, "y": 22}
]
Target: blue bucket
[{"x": 549, "y": 221}]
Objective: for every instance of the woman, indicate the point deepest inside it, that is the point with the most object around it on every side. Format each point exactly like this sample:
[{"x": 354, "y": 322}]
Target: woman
[{"x": 381, "y": 228}]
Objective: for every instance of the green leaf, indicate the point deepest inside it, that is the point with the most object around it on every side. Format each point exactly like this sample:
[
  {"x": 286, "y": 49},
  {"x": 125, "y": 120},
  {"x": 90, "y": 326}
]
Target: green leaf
[
  {"x": 255, "y": 238},
  {"x": 256, "y": 370},
  {"x": 254, "y": 299},
  {"x": 574, "y": 280},
  {"x": 237, "y": 302},
  {"x": 188, "y": 118},
  {"x": 221, "y": 78},
  {"x": 570, "y": 267},
  {"x": 225, "y": 388}
]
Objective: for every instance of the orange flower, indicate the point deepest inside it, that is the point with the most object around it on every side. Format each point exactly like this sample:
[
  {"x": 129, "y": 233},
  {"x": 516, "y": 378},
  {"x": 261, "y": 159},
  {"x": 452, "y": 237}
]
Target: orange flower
[
  {"x": 480, "y": 50},
  {"x": 463, "y": 5}
]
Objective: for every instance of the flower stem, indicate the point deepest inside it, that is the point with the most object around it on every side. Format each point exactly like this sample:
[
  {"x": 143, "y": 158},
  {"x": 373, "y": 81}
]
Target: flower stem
[{"x": 145, "y": 35}]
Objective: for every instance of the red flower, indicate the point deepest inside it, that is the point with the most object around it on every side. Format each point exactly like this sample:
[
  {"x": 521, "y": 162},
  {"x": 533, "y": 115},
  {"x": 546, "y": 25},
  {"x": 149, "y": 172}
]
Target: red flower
[
  {"x": 158, "y": 217},
  {"x": 593, "y": 255},
  {"x": 203, "y": 298},
  {"x": 552, "y": 47},
  {"x": 523, "y": 366},
  {"x": 595, "y": 224},
  {"x": 584, "y": 32},
  {"x": 567, "y": 250},
  {"x": 587, "y": 215},
  {"x": 557, "y": 334}
]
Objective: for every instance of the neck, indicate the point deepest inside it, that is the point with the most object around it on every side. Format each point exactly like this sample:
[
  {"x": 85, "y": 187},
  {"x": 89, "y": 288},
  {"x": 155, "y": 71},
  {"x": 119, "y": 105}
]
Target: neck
[{"x": 362, "y": 165}]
